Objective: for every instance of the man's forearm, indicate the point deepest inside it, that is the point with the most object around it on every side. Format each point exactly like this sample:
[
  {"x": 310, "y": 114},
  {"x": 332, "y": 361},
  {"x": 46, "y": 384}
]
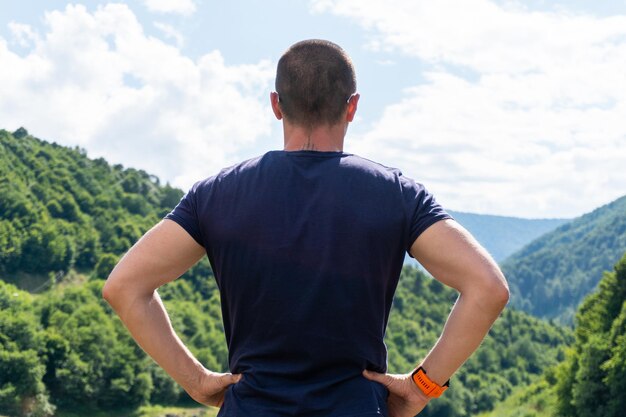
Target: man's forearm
[
  {"x": 468, "y": 323},
  {"x": 148, "y": 322}
]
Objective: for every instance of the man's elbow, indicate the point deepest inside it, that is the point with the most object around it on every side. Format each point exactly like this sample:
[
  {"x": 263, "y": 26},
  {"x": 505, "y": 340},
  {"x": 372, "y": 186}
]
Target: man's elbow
[
  {"x": 497, "y": 291},
  {"x": 121, "y": 290},
  {"x": 113, "y": 291},
  {"x": 491, "y": 291},
  {"x": 502, "y": 295},
  {"x": 109, "y": 291}
]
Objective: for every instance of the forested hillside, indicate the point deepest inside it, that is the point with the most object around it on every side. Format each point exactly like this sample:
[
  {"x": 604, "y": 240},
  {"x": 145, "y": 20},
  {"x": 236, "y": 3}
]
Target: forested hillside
[
  {"x": 550, "y": 276},
  {"x": 502, "y": 235},
  {"x": 60, "y": 210},
  {"x": 64, "y": 221},
  {"x": 592, "y": 380}
]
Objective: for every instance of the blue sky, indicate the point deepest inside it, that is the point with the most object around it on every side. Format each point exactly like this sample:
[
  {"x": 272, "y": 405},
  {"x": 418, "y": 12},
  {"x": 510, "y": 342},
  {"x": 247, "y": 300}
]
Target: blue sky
[{"x": 499, "y": 107}]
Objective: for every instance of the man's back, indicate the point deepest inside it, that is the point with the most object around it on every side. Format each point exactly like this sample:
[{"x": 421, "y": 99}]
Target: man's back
[{"x": 306, "y": 248}]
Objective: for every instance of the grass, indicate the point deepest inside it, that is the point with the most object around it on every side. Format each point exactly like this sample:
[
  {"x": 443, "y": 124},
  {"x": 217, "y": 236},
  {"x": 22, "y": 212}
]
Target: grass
[
  {"x": 160, "y": 411},
  {"x": 39, "y": 283},
  {"x": 536, "y": 400},
  {"x": 145, "y": 411}
]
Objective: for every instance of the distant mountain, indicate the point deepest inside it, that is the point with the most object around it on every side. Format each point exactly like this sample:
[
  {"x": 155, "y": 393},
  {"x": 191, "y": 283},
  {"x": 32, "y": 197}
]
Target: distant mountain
[
  {"x": 550, "y": 276},
  {"x": 502, "y": 235}
]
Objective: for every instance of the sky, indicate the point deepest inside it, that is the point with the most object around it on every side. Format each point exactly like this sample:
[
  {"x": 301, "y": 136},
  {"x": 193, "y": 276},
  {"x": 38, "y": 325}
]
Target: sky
[{"x": 498, "y": 107}]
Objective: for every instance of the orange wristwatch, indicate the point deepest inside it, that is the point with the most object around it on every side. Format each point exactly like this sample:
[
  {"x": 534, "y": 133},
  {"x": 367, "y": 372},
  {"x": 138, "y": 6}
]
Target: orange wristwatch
[{"x": 428, "y": 386}]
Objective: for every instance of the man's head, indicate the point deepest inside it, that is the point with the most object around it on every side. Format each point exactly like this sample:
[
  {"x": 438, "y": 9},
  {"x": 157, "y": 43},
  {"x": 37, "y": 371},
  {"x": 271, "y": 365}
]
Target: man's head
[{"x": 315, "y": 79}]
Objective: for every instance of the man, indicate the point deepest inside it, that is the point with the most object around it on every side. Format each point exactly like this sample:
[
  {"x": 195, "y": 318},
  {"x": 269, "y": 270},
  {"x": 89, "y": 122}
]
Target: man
[{"x": 307, "y": 245}]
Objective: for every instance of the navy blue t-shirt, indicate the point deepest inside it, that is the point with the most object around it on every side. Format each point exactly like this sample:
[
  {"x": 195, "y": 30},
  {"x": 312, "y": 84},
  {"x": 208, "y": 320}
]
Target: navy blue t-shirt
[{"x": 306, "y": 248}]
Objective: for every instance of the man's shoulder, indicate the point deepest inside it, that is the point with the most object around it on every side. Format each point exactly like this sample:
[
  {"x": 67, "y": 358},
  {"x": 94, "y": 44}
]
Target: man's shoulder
[
  {"x": 384, "y": 172},
  {"x": 242, "y": 166},
  {"x": 371, "y": 165},
  {"x": 350, "y": 164},
  {"x": 230, "y": 171},
  {"x": 348, "y": 160}
]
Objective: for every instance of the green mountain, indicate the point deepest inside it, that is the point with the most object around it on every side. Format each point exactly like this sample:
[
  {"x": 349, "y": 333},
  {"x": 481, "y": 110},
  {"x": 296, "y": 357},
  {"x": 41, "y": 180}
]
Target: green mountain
[
  {"x": 550, "y": 276},
  {"x": 503, "y": 235},
  {"x": 590, "y": 382},
  {"x": 64, "y": 221},
  {"x": 61, "y": 210}
]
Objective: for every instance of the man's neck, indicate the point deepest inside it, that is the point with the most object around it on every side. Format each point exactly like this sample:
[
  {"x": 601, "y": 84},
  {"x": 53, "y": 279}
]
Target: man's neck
[{"x": 325, "y": 138}]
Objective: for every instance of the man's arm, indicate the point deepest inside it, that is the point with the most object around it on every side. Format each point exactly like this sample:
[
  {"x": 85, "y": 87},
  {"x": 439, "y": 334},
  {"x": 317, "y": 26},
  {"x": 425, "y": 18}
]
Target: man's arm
[
  {"x": 163, "y": 254},
  {"x": 456, "y": 259}
]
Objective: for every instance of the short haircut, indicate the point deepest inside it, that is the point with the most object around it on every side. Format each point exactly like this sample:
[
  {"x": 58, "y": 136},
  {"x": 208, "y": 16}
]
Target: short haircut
[{"x": 314, "y": 80}]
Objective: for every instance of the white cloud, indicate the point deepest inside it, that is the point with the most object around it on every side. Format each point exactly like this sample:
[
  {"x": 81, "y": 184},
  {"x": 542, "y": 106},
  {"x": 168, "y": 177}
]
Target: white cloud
[
  {"x": 98, "y": 81},
  {"x": 386, "y": 62},
  {"x": 522, "y": 113},
  {"x": 24, "y": 35},
  {"x": 183, "y": 7},
  {"x": 171, "y": 33}
]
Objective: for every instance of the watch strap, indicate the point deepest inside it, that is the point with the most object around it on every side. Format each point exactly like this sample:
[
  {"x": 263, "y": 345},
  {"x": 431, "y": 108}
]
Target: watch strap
[{"x": 427, "y": 385}]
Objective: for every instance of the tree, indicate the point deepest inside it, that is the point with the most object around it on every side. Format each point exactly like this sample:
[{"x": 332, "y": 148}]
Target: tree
[
  {"x": 105, "y": 265},
  {"x": 591, "y": 382},
  {"x": 22, "y": 391}
]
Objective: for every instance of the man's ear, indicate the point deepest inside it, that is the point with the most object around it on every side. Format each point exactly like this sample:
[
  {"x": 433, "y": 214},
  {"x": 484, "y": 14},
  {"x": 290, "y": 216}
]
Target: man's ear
[
  {"x": 353, "y": 102},
  {"x": 274, "y": 99}
]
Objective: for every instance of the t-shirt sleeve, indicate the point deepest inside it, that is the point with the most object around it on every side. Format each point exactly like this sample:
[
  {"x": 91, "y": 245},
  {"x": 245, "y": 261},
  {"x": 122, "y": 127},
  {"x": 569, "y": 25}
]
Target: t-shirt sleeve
[
  {"x": 186, "y": 214},
  {"x": 422, "y": 208}
]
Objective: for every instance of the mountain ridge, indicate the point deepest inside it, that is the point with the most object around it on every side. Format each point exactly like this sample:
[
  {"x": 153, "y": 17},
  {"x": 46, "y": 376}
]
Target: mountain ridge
[
  {"x": 504, "y": 235},
  {"x": 551, "y": 275}
]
